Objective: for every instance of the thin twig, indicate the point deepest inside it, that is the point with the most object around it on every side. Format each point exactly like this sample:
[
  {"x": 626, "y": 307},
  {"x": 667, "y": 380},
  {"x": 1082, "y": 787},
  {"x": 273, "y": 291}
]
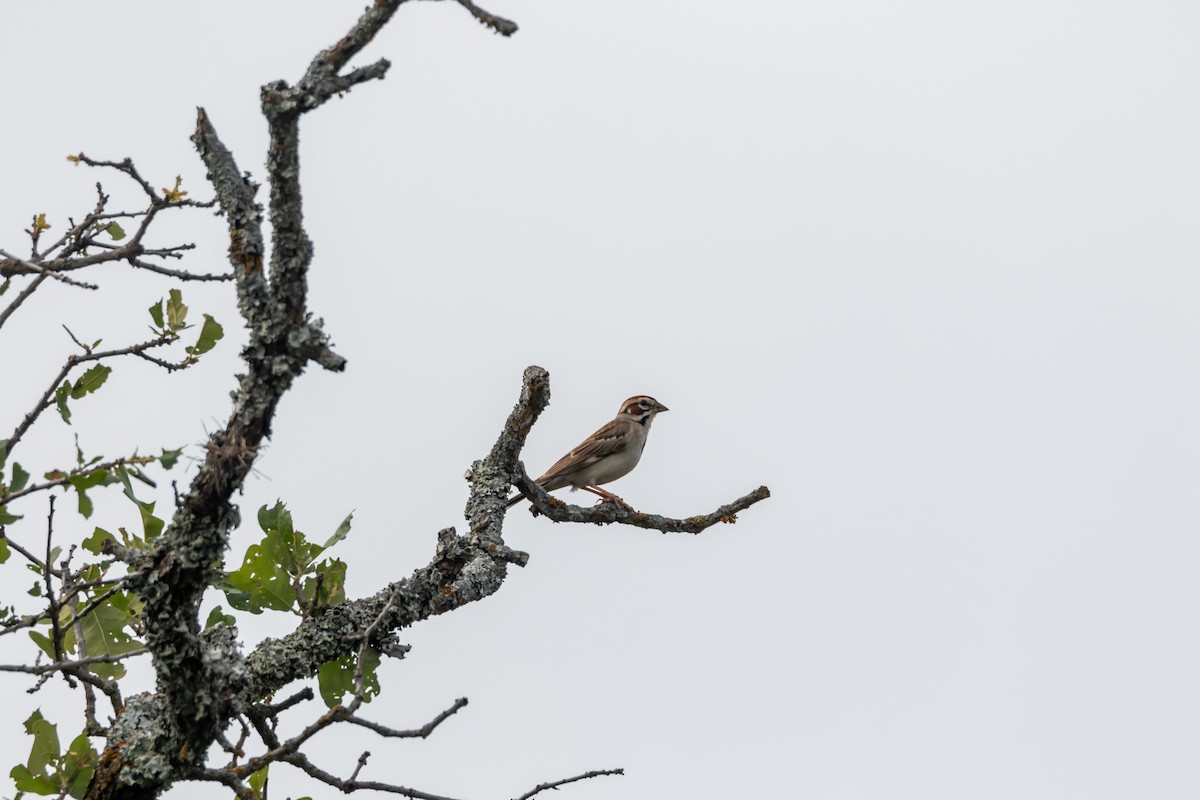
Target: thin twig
[
  {"x": 125, "y": 165},
  {"x": 502, "y": 26},
  {"x": 38, "y": 268},
  {"x": 362, "y": 762},
  {"x": 65, "y": 666},
  {"x": 300, "y": 760},
  {"x": 107, "y": 466},
  {"x": 22, "y": 297},
  {"x": 275, "y": 709},
  {"x": 422, "y": 732},
  {"x": 180, "y": 274},
  {"x": 73, "y": 360},
  {"x": 596, "y": 773},
  {"x": 51, "y": 600}
]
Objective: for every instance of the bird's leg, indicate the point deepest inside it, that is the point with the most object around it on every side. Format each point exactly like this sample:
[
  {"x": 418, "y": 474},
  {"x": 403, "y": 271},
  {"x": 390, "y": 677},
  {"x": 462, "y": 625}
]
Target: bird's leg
[{"x": 607, "y": 497}]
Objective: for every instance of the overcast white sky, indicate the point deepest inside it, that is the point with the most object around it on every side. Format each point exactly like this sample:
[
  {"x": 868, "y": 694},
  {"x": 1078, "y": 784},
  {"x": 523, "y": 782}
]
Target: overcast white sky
[{"x": 928, "y": 270}]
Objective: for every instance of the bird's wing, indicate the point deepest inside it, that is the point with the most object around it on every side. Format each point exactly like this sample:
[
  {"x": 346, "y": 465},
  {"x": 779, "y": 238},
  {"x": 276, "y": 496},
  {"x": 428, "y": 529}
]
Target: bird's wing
[{"x": 607, "y": 441}]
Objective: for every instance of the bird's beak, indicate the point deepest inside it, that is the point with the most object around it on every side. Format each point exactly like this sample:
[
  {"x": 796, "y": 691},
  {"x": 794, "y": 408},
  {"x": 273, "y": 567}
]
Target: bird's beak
[{"x": 661, "y": 407}]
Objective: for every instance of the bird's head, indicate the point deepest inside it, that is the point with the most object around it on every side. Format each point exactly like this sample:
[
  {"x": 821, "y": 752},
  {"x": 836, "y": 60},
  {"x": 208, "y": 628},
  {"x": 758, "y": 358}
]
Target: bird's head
[{"x": 641, "y": 408}]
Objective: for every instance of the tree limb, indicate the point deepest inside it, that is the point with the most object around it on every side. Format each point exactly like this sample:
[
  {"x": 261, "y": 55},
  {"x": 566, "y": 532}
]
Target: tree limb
[{"x": 605, "y": 513}]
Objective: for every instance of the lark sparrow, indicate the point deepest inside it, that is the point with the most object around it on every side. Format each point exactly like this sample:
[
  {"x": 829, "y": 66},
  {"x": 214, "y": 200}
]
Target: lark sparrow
[{"x": 609, "y": 453}]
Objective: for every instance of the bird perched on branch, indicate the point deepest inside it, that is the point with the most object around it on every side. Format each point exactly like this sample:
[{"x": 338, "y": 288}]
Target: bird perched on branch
[{"x": 609, "y": 453}]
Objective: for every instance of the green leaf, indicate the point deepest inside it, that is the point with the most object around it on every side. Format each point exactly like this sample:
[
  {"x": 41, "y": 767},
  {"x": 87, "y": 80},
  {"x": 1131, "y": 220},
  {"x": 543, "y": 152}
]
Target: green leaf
[
  {"x": 169, "y": 457},
  {"x": 272, "y": 568},
  {"x": 86, "y": 506},
  {"x": 94, "y": 544},
  {"x": 50, "y": 772},
  {"x": 45, "y": 743},
  {"x": 342, "y": 531},
  {"x": 261, "y": 582},
  {"x": 277, "y": 518},
  {"x": 210, "y": 334},
  {"x": 136, "y": 473},
  {"x": 42, "y": 640},
  {"x": 28, "y": 782},
  {"x": 371, "y": 660},
  {"x": 60, "y": 397},
  {"x": 218, "y": 617},
  {"x": 152, "y": 526},
  {"x": 3, "y": 452},
  {"x": 88, "y": 480},
  {"x": 258, "y": 780},
  {"x": 19, "y": 478},
  {"x": 176, "y": 310},
  {"x": 156, "y": 314},
  {"x": 7, "y": 517},
  {"x": 335, "y": 678},
  {"x": 105, "y": 634},
  {"x": 90, "y": 381},
  {"x": 79, "y": 765},
  {"x": 4, "y": 551},
  {"x": 332, "y": 585},
  {"x": 4, "y": 286},
  {"x": 114, "y": 230}
]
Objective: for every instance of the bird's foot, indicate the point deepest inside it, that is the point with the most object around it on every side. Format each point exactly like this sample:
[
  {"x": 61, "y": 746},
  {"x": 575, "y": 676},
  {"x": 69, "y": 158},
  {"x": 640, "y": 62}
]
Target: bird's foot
[{"x": 616, "y": 501}]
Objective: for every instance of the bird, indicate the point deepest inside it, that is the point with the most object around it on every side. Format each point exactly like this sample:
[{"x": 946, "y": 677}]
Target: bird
[{"x": 609, "y": 453}]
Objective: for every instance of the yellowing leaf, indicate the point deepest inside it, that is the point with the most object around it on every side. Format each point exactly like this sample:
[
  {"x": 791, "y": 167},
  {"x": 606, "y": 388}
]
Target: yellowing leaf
[
  {"x": 175, "y": 195},
  {"x": 176, "y": 310}
]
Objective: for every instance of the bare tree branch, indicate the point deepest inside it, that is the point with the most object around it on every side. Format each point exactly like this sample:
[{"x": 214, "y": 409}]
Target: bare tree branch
[
  {"x": 47, "y": 272},
  {"x": 275, "y": 709},
  {"x": 422, "y": 732},
  {"x": 125, "y": 165},
  {"x": 25, "y": 294},
  {"x": 541, "y": 787},
  {"x": 352, "y": 785},
  {"x": 69, "y": 666},
  {"x": 502, "y": 26},
  {"x": 178, "y": 274},
  {"x": 47, "y": 398}
]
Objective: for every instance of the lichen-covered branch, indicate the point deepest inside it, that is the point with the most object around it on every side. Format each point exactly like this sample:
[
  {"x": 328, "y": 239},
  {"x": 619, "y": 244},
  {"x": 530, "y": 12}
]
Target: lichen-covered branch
[
  {"x": 464, "y": 568},
  {"x": 235, "y": 196},
  {"x": 164, "y": 735},
  {"x": 204, "y": 682},
  {"x": 605, "y": 513}
]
